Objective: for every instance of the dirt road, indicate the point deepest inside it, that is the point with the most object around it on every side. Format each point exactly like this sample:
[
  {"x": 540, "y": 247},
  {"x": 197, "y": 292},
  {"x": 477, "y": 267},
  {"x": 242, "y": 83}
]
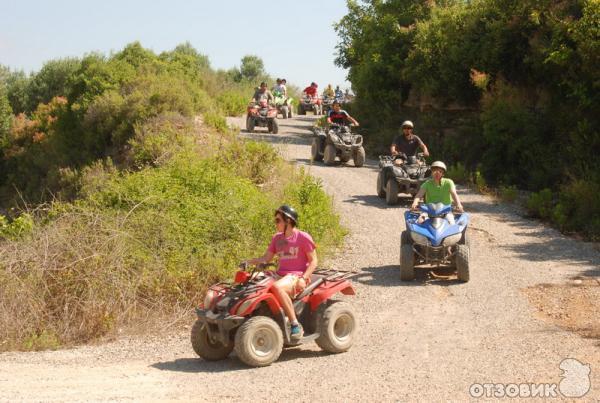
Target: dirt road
[{"x": 428, "y": 339}]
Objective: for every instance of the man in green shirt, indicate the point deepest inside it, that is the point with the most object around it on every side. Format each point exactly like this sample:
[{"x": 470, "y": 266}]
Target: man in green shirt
[{"x": 438, "y": 190}]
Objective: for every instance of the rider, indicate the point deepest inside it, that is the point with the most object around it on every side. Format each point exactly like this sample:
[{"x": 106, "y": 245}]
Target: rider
[
  {"x": 297, "y": 255},
  {"x": 280, "y": 87},
  {"x": 312, "y": 90},
  {"x": 329, "y": 92},
  {"x": 438, "y": 189},
  {"x": 339, "y": 94},
  {"x": 262, "y": 93},
  {"x": 408, "y": 143},
  {"x": 339, "y": 116}
]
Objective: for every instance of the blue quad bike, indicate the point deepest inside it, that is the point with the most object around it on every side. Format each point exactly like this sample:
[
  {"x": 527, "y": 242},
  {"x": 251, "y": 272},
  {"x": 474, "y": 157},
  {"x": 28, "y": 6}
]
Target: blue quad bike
[{"x": 434, "y": 243}]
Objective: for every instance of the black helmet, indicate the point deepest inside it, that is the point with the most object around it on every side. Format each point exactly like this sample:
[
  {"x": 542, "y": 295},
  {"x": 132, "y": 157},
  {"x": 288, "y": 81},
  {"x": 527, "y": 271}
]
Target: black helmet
[{"x": 288, "y": 212}]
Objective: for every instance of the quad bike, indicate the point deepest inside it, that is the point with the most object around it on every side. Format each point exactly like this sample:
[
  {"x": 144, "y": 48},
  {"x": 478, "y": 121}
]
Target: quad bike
[
  {"x": 283, "y": 105},
  {"x": 261, "y": 114},
  {"x": 327, "y": 104},
  {"x": 436, "y": 242},
  {"x": 340, "y": 142},
  {"x": 246, "y": 316},
  {"x": 310, "y": 103},
  {"x": 401, "y": 174}
]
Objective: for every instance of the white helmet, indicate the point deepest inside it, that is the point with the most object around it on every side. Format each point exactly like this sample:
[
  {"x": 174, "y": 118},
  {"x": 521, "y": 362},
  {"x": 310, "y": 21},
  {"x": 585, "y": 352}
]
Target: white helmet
[
  {"x": 439, "y": 164},
  {"x": 408, "y": 123}
]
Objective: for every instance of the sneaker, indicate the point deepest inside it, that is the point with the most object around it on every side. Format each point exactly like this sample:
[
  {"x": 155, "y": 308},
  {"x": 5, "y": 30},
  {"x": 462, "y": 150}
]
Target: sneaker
[{"x": 297, "y": 332}]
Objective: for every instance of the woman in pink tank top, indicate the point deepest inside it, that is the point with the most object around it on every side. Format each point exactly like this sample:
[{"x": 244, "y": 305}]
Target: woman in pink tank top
[{"x": 297, "y": 255}]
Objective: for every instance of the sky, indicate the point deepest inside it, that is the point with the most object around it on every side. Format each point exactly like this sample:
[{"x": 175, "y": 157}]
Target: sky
[{"x": 295, "y": 39}]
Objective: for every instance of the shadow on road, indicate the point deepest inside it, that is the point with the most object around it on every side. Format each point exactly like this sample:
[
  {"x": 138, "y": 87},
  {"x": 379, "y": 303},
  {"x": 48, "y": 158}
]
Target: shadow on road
[
  {"x": 375, "y": 201},
  {"x": 198, "y": 365},
  {"x": 389, "y": 276},
  {"x": 540, "y": 243}
]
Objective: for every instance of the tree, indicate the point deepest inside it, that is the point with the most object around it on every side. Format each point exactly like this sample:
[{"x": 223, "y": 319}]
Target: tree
[
  {"x": 53, "y": 80},
  {"x": 252, "y": 67}
]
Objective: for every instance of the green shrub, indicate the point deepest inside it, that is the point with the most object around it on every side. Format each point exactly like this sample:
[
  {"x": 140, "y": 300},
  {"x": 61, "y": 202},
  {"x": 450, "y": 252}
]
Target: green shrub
[
  {"x": 216, "y": 121},
  {"x": 480, "y": 182},
  {"x": 578, "y": 208},
  {"x": 19, "y": 228},
  {"x": 508, "y": 193},
  {"x": 458, "y": 173},
  {"x": 315, "y": 209},
  {"x": 540, "y": 204},
  {"x": 233, "y": 103}
]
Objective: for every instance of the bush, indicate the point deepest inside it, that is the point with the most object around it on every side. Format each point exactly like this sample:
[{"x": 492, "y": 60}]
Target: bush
[
  {"x": 458, "y": 173},
  {"x": 578, "y": 208},
  {"x": 540, "y": 204},
  {"x": 144, "y": 244},
  {"x": 16, "y": 229},
  {"x": 508, "y": 193},
  {"x": 233, "y": 103}
]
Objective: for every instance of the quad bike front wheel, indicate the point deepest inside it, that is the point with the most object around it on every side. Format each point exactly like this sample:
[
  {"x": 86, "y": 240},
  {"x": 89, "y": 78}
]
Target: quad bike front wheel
[
  {"x": 284, "y": 112},
  {"x": 250, "y": 124},
  {"x": 359, "y": 157},
  {"x": 391, "y": 192},
  {"x": 205, "y": 347},
  {"x": 259, "y": 341},
  {"x": 381, "y": 185},
  {"x": 337, "y": 326},
  {"x": 462, "y": 262},
  {"x": 407, "y": 257},
  {"x": 329, "y": 154},
  {"x": 273, "y": 126},
  {"x": 315, "y": 150}
]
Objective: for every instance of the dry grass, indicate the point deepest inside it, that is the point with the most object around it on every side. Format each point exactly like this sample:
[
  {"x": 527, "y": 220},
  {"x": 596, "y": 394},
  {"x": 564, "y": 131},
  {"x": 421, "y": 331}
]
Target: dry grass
[{"x": 75, "y": 280}]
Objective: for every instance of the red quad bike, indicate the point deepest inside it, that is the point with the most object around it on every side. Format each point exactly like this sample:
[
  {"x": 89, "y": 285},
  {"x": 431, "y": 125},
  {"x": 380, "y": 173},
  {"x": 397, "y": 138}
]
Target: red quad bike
[
  {"x": 262, "y": 114},
  {"x": 246, "y": 316}
]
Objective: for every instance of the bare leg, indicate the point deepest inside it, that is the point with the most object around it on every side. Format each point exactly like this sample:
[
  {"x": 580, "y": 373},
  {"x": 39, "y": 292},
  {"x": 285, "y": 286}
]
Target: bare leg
[{"x": 282, "y": 289}]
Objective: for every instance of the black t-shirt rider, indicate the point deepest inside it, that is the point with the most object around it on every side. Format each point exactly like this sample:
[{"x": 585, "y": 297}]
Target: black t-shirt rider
[{"x": 408, "y": 146}]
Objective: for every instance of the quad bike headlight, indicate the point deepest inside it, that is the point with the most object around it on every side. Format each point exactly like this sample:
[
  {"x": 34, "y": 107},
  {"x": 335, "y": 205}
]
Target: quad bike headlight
[
  {"x": 419, "y": 239},
  {"x": 452, "y": 239}
]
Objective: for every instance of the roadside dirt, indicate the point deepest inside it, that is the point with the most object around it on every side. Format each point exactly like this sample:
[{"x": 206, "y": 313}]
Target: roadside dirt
[{"x": 429, "y": 339}]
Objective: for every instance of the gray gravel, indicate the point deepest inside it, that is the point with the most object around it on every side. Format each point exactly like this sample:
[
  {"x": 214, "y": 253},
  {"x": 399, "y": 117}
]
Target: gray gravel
[{"x": 425, "y": 340}]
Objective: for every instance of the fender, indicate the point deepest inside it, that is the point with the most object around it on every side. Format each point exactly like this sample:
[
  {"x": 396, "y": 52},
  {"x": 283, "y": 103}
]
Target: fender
[
  {"x": 324, "y": 293},
  {"x": 267, "y": 297}
]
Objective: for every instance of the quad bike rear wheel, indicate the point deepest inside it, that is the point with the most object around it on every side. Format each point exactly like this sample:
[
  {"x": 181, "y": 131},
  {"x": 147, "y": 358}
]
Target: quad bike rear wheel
[
  {"x": 205, "y": 347},
  {"x": 290, "y": 113},
  {"x": 391, "y": 192},
  {"x": 250, "y": 124},
  {"x": 329, "y": 154},
  {"x": 359, "y": 157},
  {"x": 315, "y": 150},
  {"x": 462, "y": 262},
  {"x": 337, "y": 326},
  {"x": 259, "y": 341},
  {"x": 381, "y": 185}
]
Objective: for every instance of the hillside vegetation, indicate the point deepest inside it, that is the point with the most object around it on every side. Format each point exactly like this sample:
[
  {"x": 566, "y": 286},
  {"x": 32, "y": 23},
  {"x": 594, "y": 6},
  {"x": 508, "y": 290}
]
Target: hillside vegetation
[
  {"x": 507, "y": 89},
  {"x": 124, "y": 193}
]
